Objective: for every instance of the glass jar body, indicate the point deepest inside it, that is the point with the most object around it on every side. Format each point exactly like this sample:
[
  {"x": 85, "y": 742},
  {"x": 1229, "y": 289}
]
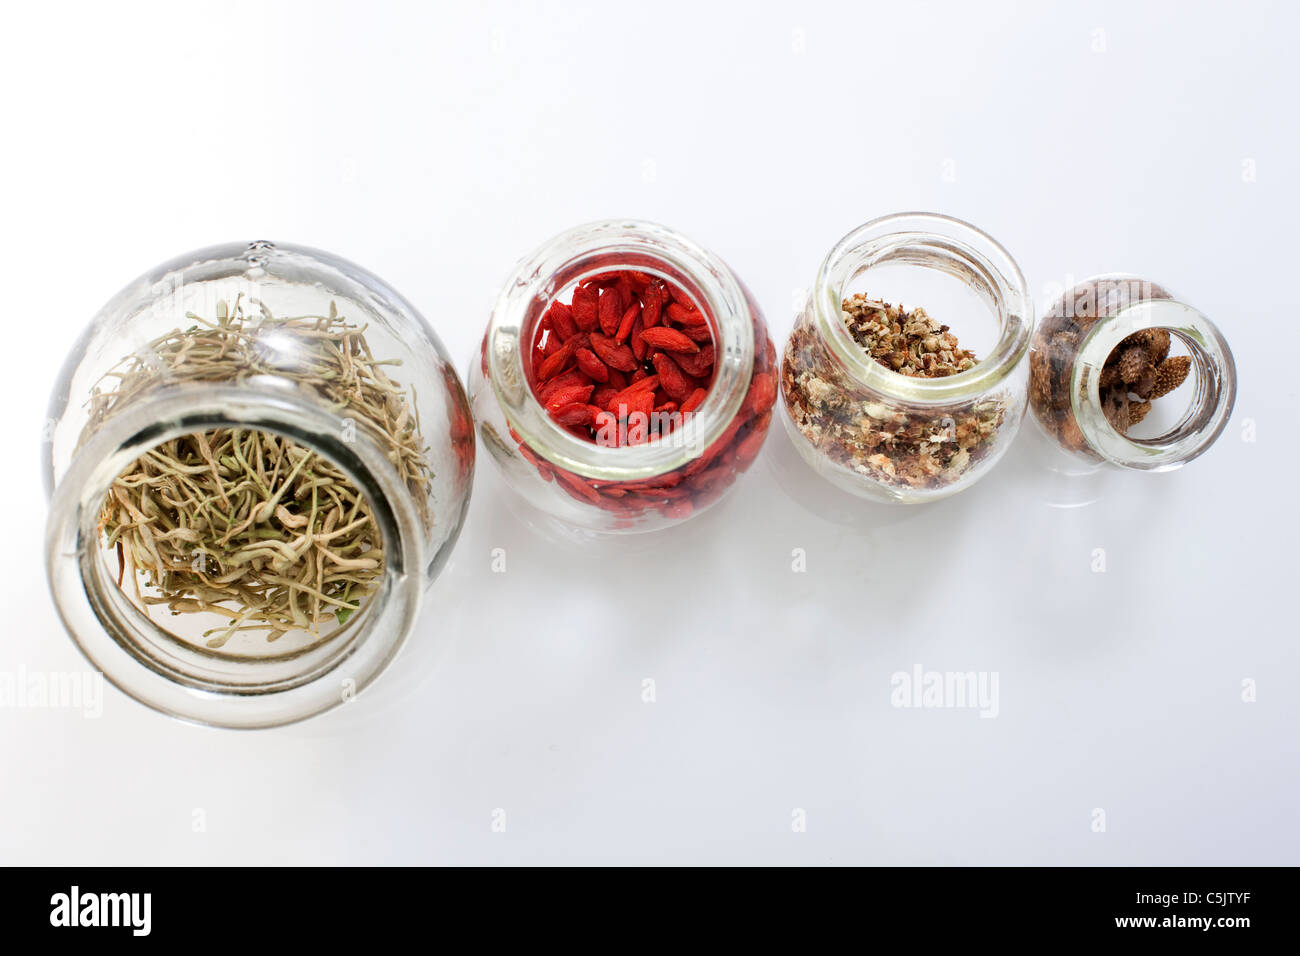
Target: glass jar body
[
  {"x": 624, "y": 484},
  {"x": 1092, "y": 398},
  {"x": 227, "y": 417},
  {"x": 891, "y": 437},
  {"x": 885, "y": 447}
]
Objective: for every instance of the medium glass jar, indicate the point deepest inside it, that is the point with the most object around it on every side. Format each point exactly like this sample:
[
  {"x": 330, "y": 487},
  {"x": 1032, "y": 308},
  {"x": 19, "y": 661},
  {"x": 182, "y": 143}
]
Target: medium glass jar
[
  {"x": 892, "y": 437},
  {"x": 625, "y": 484},
  {"x": 258, "y": 456},
  {"x": 1107, "y": 371}
]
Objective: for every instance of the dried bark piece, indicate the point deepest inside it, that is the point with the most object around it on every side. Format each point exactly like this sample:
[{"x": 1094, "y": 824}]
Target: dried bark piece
[{"x": 1114, "y": 405}]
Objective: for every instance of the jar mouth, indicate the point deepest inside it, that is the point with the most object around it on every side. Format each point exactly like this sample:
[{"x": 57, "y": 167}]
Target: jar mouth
[
  {"x": 187, "y": 680},
  {"x": 936, "y": 242},
  {"x": 586, "y": 251},
  {"x": 1213, "y": 372}
]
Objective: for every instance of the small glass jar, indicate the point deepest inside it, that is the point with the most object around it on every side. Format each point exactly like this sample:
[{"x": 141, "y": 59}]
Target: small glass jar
[
  {"x": 592, "y": 487},
  {"x": 891, "y": 437},
  {"x": 1083, "y": 402},
  {"x": 258, "y": 457}
]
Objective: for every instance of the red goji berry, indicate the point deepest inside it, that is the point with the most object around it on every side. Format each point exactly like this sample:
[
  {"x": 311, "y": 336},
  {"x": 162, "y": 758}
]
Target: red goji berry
[
  {"x": 561, "y": 317},
  {"x": 674, "y": 381},
  {"x": 591, "y": 366},
  {"x": 569, "y": 395},
  {"x": 695, "y": 400},
  {"x": 646, "y": 384},
  {"x": 761, "y": 395},
  {"x": 577, "y": 413},
  {"x": 609, "y": 310},
  {"x": 612, "y": 354},
  {"x": 747, "y": 448},
  {"x": 555, "y": 363},
  {"x": 698, "y": 364},
  {"x": 681, "y": 296},
  {"x": 584, "y": 309},
  {"x": 669, "y": 339},
  {"x": 625, "y": 324},
  {"x": 571, "y": 377},
  {"x": 577, "y": 486},
  {"x": 636, "y": 340},
  {"x": 684, "y": 315},
  {"x": 653, "y": 299}
]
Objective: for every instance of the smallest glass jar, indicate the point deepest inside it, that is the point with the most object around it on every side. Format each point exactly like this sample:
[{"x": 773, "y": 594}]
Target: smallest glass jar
[
  {"x": 1121, "y": 371},
  {"x": 626, "y": 378},
  {"x": 885, "y": 435}
]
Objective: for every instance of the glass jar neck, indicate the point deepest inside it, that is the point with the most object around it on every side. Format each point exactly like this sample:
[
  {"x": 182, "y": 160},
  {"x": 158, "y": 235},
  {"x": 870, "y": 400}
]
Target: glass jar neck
[
  {"x": 1213, "y": 375},
  {"x": 587, "y": 251},
  {"x": 188, "y": 681},
  {"x": 932, "y": 241}
]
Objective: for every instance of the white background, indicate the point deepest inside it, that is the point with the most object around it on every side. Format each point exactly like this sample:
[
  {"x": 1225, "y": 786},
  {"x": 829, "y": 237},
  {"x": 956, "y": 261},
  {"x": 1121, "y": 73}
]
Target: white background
[{"x": 436, "y": 147}]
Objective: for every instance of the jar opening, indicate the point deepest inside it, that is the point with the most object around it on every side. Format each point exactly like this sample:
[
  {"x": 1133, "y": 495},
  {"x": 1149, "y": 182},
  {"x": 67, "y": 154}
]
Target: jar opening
[
  {"x": 171, "y": 662},
  {"x": 921, "y": 254},
  {"x": 1190, "y": 420},
  {"x": 241, "y": 543},
  {"x": 581, "y": 254}
]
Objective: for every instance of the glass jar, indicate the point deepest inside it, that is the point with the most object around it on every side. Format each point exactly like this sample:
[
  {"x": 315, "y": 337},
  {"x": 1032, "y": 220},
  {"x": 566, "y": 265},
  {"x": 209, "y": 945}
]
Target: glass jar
[
  {"x": 1106, "y": 362},
  {"x": 258, "y": 456},
  {"x": 621, "y": 485},
  {"x": 889, "y": 436}
]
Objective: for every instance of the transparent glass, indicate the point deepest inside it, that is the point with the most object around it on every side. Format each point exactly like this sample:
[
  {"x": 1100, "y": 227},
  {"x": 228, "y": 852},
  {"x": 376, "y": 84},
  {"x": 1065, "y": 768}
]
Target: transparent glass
[
  {"x": 1078, "y": 334},
  {"x": 632, "y": 488},
  {"x": 890, "y": 437},
  {"x": 237, "y": 341}
]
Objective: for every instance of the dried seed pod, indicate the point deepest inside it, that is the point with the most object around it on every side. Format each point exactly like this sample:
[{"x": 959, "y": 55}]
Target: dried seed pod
[
  {"x": 1131, "y": 363},
  {"x": 1157, "y": 343},
  {"x": 1137, "y": 411},
  {"x": 1146, "y": 382},
  {"x": 1171, "y": 373}
]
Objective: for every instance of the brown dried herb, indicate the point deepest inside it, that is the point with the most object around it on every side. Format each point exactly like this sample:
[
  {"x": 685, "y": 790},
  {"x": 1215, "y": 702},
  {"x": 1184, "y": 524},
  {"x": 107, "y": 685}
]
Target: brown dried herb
[
  {"x": 894, "y": 443},
  {"x": 910, "y": 343}
]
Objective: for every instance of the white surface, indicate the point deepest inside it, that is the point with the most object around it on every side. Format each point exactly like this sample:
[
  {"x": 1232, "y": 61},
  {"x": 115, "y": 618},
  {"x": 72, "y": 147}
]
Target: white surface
[{"x": 435, "y": 148}]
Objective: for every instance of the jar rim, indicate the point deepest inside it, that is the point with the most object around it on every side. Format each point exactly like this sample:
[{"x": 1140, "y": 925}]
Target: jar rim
[
  {"x": 161, "y": 681},
  {"x": 893, "y": 237},
  {"x": 1213, "y": 368},
  {"x": 587, "y": 250}
]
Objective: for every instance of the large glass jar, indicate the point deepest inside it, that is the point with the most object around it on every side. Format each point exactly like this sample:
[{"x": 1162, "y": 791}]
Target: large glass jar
[
  {"x": 609, "y": 479},
  {"x": 258, "y": 457},
  {"x": 894, "y": 437},
  {"x": 1107, "y": 372}
]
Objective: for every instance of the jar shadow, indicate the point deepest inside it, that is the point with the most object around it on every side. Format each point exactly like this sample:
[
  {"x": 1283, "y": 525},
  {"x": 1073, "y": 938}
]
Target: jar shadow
[
  {"x": 1053, "y": 476},
  {"x": 816, "y": 496}
]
